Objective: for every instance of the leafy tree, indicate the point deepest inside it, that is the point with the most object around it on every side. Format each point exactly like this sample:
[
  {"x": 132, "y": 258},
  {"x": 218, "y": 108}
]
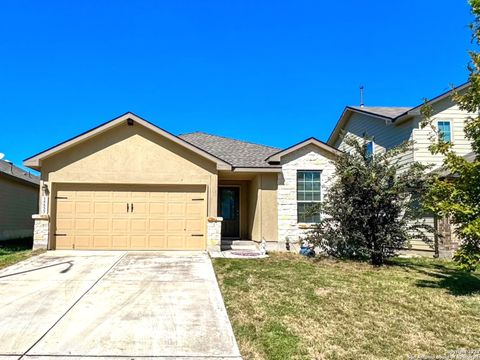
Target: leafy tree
[
  {"x": 372, "y": 208},
  {"x": 458, "y": 196}
]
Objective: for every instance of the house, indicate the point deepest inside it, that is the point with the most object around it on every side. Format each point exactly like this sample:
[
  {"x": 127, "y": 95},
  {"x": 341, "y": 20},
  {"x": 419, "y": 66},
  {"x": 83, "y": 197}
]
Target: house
[
  {"x": 391, "y": 126},
  {"x": 128, "y": 184},
  {"x": 18, "y": 199}
]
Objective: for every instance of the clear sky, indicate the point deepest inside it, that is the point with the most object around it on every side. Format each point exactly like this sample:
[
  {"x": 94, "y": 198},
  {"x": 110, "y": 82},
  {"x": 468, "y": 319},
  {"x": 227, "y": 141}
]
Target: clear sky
[{"x": 273, "y": 72}]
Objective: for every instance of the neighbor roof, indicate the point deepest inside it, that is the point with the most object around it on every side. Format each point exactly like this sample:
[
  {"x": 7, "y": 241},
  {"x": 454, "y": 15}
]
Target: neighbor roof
[
  {"x": 236, "y": 152},
  {"x": 392, "y": 113},
  {"x": 12, "y": 171},
  {"x": 389, "y": 112}
]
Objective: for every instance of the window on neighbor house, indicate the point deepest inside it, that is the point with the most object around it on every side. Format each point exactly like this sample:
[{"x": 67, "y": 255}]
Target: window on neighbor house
[
  {"x": 445, "y": 131},
  {"x": 308, "y": 195},
  {"x": 370, "y": 147}
]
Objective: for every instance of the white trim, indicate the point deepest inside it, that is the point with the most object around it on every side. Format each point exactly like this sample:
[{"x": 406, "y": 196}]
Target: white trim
[
  {"x": 262, "y": 170},
  {"x": 450, "y": 121},
  {"x": 311, "y": 141},
  {"x": 34, "y": 162},
  {"x": 304, "y": 201}
]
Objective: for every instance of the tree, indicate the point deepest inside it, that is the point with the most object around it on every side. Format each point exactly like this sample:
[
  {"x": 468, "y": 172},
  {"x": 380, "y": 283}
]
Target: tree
[
  {"x": 372, "y": 208},
  {"x": 458, "y": 196}
]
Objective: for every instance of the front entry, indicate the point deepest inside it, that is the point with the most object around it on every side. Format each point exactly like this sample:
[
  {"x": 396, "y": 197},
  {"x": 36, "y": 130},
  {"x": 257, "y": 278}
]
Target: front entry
[{"x": 229, "y": 210}]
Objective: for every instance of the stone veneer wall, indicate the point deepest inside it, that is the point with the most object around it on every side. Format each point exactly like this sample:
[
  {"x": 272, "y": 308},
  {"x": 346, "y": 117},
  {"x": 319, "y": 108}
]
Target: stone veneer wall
[
  {"x": 214, "y": 233},
  {"x": 40, "y": 231},
  {"x": 307, "y": 158}
]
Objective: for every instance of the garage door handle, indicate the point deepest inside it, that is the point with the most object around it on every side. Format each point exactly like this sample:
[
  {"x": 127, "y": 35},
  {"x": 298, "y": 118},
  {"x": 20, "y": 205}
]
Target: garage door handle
[
  {"x": 196, "y": 235},
  {"x": 131, "y": 207},
  {"x": 127, "y": 207}
]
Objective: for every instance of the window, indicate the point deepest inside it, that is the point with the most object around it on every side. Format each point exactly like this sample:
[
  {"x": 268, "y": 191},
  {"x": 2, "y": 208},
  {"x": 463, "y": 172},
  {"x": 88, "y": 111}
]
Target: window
[
  {"x": 370, "y": 147},
  {"x": 445, "y": 131},
  {"x": 308, "y": 194}
]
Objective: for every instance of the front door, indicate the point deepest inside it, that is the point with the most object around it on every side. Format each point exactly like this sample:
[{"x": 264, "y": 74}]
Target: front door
[{"x": 229, "y": 209}]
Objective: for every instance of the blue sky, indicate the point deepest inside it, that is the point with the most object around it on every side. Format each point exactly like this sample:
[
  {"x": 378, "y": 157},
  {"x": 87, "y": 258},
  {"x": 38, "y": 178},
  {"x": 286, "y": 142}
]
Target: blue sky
[{"x": 272, "y": 72}]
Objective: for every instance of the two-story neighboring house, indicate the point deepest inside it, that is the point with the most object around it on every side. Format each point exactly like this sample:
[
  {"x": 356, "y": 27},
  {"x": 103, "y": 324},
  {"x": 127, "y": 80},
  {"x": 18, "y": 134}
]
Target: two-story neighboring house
[{"x": 391, "y": 126}]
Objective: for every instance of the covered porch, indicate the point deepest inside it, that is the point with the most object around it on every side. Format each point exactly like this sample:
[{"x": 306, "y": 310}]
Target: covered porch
[{"x": 247, "y": 205}]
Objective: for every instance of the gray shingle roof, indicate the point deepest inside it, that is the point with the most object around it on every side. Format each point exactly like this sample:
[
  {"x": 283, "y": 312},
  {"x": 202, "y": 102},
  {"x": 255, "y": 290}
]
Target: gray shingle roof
[
  {"x": 235, "y": 152},
  {"x": 13, "y": 171},
  {"x": 385, "y": 111}
]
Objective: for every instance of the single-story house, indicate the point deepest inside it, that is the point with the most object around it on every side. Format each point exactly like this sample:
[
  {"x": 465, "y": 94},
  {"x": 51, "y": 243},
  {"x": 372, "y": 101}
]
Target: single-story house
[
  {"x": 128, "y": 184},
  {"x": 18, "y": 199}
]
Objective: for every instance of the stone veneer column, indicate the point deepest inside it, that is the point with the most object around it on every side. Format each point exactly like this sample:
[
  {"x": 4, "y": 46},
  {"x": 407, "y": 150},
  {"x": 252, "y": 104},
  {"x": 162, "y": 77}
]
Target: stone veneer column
[
  {"x": 40, "y": 231},
  {"x": 214, "y": 234}
]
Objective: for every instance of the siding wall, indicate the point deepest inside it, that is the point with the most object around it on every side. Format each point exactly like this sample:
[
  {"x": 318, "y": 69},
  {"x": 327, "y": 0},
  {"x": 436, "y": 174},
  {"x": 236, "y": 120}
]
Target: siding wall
[
  {"x": 443, "y": 110},
  {"x": 386, "y": 135},
  {"x": 18, "y": 202}
]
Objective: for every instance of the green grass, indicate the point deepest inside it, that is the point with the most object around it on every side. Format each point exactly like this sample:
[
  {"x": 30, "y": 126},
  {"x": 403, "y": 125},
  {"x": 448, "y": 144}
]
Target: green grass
[
  {"x": 290, "y": 307},
  {"x": 10, "y": 256}
]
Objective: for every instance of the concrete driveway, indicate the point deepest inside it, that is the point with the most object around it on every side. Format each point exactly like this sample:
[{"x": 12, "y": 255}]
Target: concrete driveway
[{"x": 128, "y": 305}]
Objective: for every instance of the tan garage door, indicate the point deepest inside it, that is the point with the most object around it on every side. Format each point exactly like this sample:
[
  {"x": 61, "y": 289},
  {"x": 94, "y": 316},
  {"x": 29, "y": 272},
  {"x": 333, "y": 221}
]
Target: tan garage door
[{"x": 130, "y": 218}]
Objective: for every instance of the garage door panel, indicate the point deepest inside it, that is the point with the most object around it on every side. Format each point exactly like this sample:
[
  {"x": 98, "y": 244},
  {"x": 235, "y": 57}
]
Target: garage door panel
[
  {"x": 157, "y": 209},
  {"x": 83, "y": 224},
  {"x": 120, "y": 242},
  {"x": 175, "y": 196},
  {"x": 175, "y": 225},
  {"x": 119, "y": 208},
  {"x": 194, "y": 226},
  {"x": 120, "y": 196},
  {"x": 138, "y": 225},
  {"x": 139, "y": 209},
  {"x": 83, "y": 207},
  {"x": 102, "y": 241},
  {"x": 65, "y": 209},
  {"x": 84, "y": 194},
  {"x": 65, "y": 225},
  {"x": 64, "y": 242},
  {"x": 176, "y": 209},
  {"x": 157, "y": 225},
  {"x": 120, "y": 225},
  {"x": 138, "y": 242},
  {"x": 195, "y": 242},
  {"x": 103, "y": 219},
  {"x": 176, "y": 242},
  {"x": 158, "y": 242},
  {"x": 83, "y": 242},
  {"x": 158, "y": 196},
  {"x": 101, "y": 225},
  {"x": 102, "y": 208}
]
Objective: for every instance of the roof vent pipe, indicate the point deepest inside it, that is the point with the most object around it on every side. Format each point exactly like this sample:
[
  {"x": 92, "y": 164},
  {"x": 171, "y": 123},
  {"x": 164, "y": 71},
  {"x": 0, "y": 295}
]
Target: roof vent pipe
[{"x": 362, "y": 104}]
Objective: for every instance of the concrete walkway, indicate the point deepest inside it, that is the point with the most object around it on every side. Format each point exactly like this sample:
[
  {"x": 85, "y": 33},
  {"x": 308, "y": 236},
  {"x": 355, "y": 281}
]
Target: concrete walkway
[{"x": 124, "y": 305}]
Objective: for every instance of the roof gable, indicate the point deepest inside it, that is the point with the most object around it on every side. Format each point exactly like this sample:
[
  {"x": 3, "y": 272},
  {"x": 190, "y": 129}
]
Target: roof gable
[
  {"x": 34, "y": 162},
  {"x": 377, "y": 112},
  {"x": 310, "y": 141},
  {"x": 394, "y": 114}
]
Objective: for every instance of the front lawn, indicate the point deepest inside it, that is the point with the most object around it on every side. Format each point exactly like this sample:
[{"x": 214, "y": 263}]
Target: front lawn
[
  {"x": 290, "y": 307},
  {"x": 13, "y": 251}
]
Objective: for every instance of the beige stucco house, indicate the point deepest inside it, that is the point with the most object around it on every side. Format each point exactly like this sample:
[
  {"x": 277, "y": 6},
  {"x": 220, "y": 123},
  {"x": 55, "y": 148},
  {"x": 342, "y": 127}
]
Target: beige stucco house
[
  {"x": 128, "y": 184},
  {"x": 18, "y": 199},
  {"x": 390, "y": 126}
]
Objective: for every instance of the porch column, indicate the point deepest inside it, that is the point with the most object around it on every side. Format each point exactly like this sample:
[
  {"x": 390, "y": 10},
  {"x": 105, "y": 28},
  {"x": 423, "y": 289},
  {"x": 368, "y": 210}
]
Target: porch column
[
  {"x": 214, "y": 234},
  {"x": 40, "y": 231}
]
